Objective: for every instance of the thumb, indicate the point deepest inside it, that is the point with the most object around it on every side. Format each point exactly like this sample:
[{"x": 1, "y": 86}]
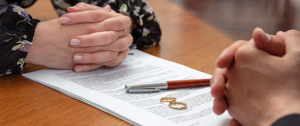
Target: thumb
[{"x": 268, "y": 43}]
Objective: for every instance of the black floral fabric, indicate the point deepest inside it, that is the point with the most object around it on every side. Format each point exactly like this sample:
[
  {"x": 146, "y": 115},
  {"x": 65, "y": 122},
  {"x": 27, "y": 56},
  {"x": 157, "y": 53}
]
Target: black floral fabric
[
  {"x": 16, "y": 33},
  {"x": 17, "y": 27}
]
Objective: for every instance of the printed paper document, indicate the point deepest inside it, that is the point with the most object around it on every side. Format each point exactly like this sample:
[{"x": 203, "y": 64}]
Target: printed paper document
[{"x": 104, "y": 89}]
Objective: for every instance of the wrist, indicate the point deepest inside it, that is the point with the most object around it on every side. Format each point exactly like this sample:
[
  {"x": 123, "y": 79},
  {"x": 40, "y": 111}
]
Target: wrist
[
  {"x": 37, "y": 49},
  {"x": 280, "y": 107},
  {"x": 30, "y": 55}
]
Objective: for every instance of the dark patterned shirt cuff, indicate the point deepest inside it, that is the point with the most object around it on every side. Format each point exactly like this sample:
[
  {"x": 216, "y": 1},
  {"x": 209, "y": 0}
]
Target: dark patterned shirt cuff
[
  {"x": 16, "y": 34},
  {"x": 288, "y": 120}
]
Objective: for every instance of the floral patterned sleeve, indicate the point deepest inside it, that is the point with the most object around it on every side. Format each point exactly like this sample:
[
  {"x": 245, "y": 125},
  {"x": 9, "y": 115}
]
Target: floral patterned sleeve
[
  {"x": 16, "y": 34},
  {"x": 146, "y": 31},
  {"x": 4, "y": 4}
]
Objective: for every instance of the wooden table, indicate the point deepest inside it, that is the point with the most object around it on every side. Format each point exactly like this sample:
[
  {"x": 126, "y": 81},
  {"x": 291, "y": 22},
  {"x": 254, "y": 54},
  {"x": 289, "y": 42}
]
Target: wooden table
[{"x": 185, "y": 39}]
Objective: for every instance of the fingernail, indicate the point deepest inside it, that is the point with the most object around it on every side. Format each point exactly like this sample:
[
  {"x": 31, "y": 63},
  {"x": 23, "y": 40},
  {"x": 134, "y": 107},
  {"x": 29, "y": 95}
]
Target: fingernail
[
  {"x": 106, "y": 8},
  {"x": 264, "y": 36},
  {"x": 211, "y": 82},
  {"x": 219, "y": 57},
  {"x": 75, "y": 42},
  {"x": 78, "y": 57},
  {"x": 222, "y": 54},
  {"x": 63, "y": 20},
  {"x": 279, "y": 33},
  {"x": 214, "y": 102},
  {"x": 73, "y": 7}
]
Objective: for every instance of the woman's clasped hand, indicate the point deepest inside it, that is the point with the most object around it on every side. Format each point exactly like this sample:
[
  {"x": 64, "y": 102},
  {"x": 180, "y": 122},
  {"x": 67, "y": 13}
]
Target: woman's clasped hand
[{"x": 86, "y": 38}]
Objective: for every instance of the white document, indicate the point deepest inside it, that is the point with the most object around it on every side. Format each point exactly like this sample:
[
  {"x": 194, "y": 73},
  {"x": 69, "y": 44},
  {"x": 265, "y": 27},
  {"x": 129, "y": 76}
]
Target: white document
[{"x": 104, "y": 89}]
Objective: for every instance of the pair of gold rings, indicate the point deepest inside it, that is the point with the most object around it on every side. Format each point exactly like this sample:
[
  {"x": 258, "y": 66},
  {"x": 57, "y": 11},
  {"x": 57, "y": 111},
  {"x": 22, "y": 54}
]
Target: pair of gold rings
[{"x": 173, "y": 103}]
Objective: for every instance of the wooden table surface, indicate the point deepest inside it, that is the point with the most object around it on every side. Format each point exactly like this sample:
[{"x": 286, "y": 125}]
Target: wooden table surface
[{"x": 186, "y": 39}]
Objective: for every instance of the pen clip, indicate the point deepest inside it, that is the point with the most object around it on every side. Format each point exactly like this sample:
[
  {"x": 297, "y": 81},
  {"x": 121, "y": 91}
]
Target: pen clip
[
  {"x": 145, "y": 87},
  {"x": 141, "y": 90}
]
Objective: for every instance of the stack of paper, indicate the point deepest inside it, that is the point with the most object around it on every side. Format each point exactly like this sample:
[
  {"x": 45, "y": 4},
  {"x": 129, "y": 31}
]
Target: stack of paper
[{"x": 104, "y": 89}]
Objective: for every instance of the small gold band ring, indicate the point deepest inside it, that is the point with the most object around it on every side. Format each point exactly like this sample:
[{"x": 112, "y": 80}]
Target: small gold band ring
[
  {"x": 168, "y": 99},
  {"x": 173, "y": 103}
]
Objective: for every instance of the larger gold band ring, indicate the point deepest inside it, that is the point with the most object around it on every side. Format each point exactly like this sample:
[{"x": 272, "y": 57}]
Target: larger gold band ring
[{"x": 177, "y": 105}]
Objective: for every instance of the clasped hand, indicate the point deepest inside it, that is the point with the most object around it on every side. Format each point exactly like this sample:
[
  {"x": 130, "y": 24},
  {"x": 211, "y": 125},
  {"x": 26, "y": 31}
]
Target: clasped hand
[
  {"x": 86, "y": 38},
  {"x": 257, "y": 81}
]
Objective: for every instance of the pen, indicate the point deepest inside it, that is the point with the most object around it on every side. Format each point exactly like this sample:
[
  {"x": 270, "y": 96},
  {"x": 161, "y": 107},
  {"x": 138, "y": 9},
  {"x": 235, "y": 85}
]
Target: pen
[{"x": 157, "y": 86}]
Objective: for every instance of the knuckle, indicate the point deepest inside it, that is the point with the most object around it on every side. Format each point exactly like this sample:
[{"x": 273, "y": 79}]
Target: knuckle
[
  {"x": 127, "y": 21},
  {"x": 118, "y": 59},
  {"x": 123, "y": 33},
  {"x": 81, "y": 4},
  {"x": 118, "y": 23},
  {"x": 96, "y": 15},
  {"x": 90, "y": 29},
  {"x": 109, "y": 55},
  {"x": 294, "y": 32},
  {"x": 111, "y": 37},
  {"x": 241, "y": 54},
  {"x": 123, "y": 45},
  {"x": 130, "y": 39},
  {"x": 113, "y": 63},
  {"x": 288, "y": 68}
]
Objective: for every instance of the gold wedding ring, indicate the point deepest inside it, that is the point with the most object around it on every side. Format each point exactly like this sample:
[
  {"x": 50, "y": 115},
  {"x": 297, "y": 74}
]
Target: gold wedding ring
[
  {"x": 177, "y": 105},
  {"x": 167, "y": 99},
  {"x": 173, "y": 103}
]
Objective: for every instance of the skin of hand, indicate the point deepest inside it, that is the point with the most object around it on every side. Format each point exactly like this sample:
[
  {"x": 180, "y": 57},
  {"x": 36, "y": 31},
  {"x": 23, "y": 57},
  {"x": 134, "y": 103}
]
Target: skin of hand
[
  {"x": 262, "y": 87},
  {"x": 263, "y": 41},
  {"x": 103, "y": 41},
  {"x": 82, "y": 13}
]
